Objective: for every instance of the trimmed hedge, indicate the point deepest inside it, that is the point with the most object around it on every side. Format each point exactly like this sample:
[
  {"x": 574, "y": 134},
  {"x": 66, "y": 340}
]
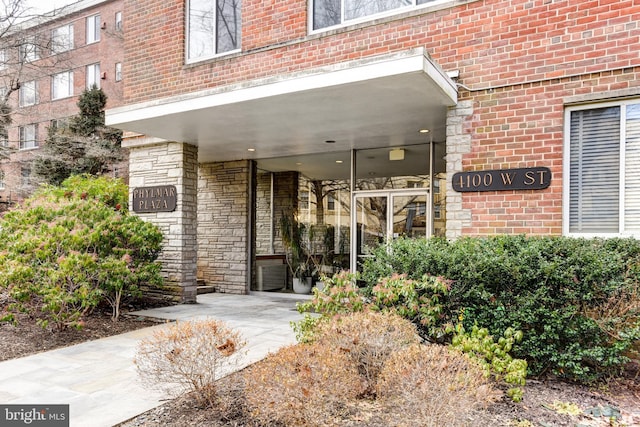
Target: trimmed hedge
[{"x": 576, "y": 300}]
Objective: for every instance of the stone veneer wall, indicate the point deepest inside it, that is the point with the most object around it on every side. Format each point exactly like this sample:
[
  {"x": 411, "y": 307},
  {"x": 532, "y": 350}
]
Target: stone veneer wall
[
  {"x": 176, "y": 164},
  {"x": 458, "y": 144},
  {"x": 224, "y": 219}
]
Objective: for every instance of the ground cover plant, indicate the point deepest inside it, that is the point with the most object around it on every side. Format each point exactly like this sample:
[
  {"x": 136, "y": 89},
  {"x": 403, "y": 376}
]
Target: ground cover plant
[{"x": 70, "y": 248}]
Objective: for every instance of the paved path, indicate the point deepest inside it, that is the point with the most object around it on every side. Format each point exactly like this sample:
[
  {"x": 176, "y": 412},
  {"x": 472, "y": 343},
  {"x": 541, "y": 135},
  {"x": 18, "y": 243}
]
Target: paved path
[{"x": 97, "y": 378}]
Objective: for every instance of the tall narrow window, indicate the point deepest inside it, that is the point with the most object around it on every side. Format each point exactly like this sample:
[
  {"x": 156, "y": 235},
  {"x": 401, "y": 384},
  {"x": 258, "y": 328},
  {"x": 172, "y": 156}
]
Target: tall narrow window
[
  {"x": 62, "y": 85},
  {"x": 118, "y": 21},
  {"x": 214, "y": 27},
  {"x": 62, "y": 39},
  {"x": 3, "y": 59},
  {"x": 1, "y": 180},
  {"x": 118, "y": 72},
  {"x": 604, "y": 170},
  {"x": 25, "y": 176},
  {"x": 29, "y": 51},
  {"x": 93, "y": 29},
  {"x": 28, "y": 93},
  {"x": 28, "y": 137},
  {"x": 93, "y": 75}
]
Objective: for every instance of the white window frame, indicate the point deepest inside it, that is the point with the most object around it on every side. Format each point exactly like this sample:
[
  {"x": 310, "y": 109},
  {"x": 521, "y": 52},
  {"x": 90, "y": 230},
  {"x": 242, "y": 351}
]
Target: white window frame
[
  {"x": 31, "y": 86},
  {"x": 29, "y": 51},
  {"x": 93, "y": 28},
  {"x": 3, "y": 59},
  {"x": 188, "y": 58},
  {"x": 28, "y": 141},
  {"x": 2, "y": 184},
  {"x": 566, "y": 164},
  {"x": 62, "y": 39},
  {"x": 346, "y": 22},
  {"x": 118, "y": 71},
  {"x": 93, "y": 75},
  {"x": 62, "y": 85},
  {"x": 118, "y": 21}
]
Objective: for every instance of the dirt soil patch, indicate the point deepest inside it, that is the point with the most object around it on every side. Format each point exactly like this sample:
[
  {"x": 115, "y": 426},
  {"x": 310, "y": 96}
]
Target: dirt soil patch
[{"x": 546, "y": 403}]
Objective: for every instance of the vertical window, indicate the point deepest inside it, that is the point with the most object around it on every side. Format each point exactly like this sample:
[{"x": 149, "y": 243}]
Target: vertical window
[
  {"x": 62, "y": 39},
  {"x": 303, "y": 201},
  {"x": 604, "y": 170},
  {"x": 93, "y": 29},
  {"x": 4, "y": 137},
  {"x": 62, "y": 85},
  {"x": 3, "y": 59},
  {"x": 25, "y": 176},
  {"x": 28, "y": 93},
  {"x": 118, "y": 71},
  {"x": 93, "y": 75},
  {"x": 331, "y": 202},
  {"x": 29, "y": 52},
  {"x": 1, "y": 180},
  {"x": 118, "y": 21},
  {"x": 214, "y": 27},
  {"x": 28, "y": 137},
  {"x": 328, "y": 13}
]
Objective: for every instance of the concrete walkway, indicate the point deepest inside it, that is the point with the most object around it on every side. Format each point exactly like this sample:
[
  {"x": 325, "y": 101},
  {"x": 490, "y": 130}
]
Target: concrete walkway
[{"x": 97, "y": 378}]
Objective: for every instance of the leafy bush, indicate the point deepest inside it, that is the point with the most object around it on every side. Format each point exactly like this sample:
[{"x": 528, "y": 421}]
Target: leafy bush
[
  {"x": 188, "y": 356},
  {"x": 494, "y": 357},
  {"x": 301, "y": 385},
  {"x": 69, "y": 248},
  {"x": 561, "y": 292},
  {"x": 369, "y": 339},
  {"x": 417, "y": 300},
  {"x": 432, "y": 385}
]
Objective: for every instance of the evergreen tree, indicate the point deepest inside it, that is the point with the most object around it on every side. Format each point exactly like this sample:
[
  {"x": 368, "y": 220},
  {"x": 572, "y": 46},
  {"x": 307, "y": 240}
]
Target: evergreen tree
[{"x": 84, "y": 146}]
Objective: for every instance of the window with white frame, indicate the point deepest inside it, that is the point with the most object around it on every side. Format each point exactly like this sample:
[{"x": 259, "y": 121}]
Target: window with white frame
[
  {"x": 93, "y": 75},
  {"x": 330, "y": 13},
  {"x": 28, "y": 94},
  {"x": 214, "y": 27},
  {"x": 62, "y": 39},
  {"x": 4, "y": 137},
  {"x": 62, "y": 85},
  {"x": 602, "y": 164},
  {"x": 118, "y": 21},
  {"x": 118, "y": 72},
  {"x": 29, "y": 52},
  {"x": 93, "y": 29},
  {"x": 3, "y": 59},
  {"x": 1, "y": 180},
  {"x": 28, "y": 136}
]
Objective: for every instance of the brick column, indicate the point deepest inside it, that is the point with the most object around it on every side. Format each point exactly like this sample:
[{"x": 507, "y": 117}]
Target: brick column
[
  {"x": 458, "y": 144},
  {"x": 171, "y": 163}
]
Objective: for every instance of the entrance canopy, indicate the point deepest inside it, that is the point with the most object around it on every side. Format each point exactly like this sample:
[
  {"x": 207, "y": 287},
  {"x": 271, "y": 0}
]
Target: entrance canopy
[{"x": 379, "y": 102}]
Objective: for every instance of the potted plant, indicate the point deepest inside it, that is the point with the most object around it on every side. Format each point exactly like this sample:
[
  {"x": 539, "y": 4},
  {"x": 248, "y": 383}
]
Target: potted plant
[{"x": 298, "y": 257}]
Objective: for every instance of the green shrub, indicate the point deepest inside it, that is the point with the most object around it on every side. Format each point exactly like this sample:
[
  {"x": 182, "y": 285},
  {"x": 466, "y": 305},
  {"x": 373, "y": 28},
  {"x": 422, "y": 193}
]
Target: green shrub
[
  {"x": 554, "y": 289},
  {"x": 64, "y": 252},
  {"x": 432, "y": 385}
]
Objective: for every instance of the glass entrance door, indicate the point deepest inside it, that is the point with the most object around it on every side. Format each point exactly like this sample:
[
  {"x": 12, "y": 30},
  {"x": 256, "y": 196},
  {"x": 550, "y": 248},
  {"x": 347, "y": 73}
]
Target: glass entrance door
[{"x": 380, "y": 217}]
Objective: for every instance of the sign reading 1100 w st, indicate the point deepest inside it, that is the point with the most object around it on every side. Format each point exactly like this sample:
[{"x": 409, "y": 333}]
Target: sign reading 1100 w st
[
  {"x": 537, "y": 178},
  {"x": 161, "y": 198}
]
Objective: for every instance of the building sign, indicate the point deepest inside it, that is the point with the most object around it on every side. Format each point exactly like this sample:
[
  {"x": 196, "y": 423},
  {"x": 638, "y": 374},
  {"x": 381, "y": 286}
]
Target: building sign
[
  {"x": 537, "y": 178},
  {"x": 155, "y": 199}
]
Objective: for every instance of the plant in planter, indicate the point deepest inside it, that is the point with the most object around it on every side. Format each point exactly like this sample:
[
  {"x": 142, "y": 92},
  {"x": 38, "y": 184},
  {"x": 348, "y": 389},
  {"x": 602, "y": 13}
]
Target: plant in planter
[{"x": 298, "y": 258}]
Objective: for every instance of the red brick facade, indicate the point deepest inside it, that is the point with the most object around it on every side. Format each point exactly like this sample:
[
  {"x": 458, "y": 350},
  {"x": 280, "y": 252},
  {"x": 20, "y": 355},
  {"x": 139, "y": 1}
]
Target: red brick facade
[
  {"x": 518, "y": 61},
  {"x": 107, "y": 52}
]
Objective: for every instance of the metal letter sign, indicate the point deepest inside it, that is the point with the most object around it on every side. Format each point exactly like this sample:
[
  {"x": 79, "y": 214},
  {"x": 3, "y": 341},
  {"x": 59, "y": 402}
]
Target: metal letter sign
[
  {"x": 162, "y": 198},
  {"x": 537, "y": 178}
]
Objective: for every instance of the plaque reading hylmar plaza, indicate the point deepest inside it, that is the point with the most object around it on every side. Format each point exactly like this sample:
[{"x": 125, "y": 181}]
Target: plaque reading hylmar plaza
[{"x": 161, "y": 198}]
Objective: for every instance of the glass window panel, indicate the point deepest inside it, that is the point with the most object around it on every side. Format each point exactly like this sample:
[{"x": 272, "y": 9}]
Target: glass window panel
[
  {"x": 62, "y": 85},
  {"x": 377, "y": 171},
  {"x": 28, "y": 93},
  {"x": 201, "y": 28},
  {"x": 62, "y": 39},
  {"x": 632, "y": 170},
  {"x": 28, "y": 137},
  {"x": 93, "y": 29},
  {"x": 594, "y": 170},
  {"x": 228, "y": 25},
  {"x": 93, "y": 75},
  {"x": 360, "y": 8},
  {"x": 326, "y": 13}
]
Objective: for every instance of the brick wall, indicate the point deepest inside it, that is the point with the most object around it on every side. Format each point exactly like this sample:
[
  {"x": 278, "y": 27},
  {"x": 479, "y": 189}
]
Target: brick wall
[
  {"x": 224, "y": 209},
  {"x": 517, "y": 62}
]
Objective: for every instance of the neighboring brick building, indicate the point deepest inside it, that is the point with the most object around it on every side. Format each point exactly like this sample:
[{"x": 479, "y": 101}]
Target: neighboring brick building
[
  {"x": 62, "y": 53},
  {"x": 231, "y": 106}
]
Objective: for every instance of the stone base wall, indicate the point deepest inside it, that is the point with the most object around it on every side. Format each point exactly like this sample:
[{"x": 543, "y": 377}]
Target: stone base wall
[
  {"x": 171, "y": 164},
  {"x": 224, "y": 213}
]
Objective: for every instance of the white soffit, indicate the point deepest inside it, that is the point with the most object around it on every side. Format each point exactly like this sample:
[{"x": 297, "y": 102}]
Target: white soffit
[{"x": 375, "y": 102}]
